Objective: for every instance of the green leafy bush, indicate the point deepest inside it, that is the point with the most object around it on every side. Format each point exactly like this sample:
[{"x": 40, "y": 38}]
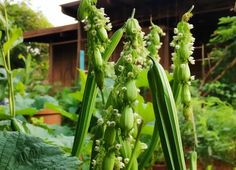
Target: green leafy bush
[
  {"x": 216, "y": 130},
  {"x": 224, "y": 91}
]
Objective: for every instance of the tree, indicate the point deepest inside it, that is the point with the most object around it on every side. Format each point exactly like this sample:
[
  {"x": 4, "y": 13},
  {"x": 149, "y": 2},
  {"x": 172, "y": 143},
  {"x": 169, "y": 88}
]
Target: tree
[
  {"x": 21, "y": 15},
  {"x": 223, "y": 51},
  {"x": 220, "y": 79}
]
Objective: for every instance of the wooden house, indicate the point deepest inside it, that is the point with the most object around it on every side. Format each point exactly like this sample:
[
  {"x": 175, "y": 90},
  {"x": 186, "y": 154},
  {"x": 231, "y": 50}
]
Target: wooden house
[{"x": 67, "y": 43}]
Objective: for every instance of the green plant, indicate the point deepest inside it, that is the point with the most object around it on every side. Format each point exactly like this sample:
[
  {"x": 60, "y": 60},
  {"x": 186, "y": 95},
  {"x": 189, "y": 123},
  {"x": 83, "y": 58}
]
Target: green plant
[
  {"x": 88, "y": 12},
  {"x": 18, "y": 150},
  {"x": 224, "y": 91},
  {"x": 215, "y": 123},
  {"x": 183, "y": 49},
  {"x": 117, "y": 138},
  {"x": 10, "y": 37}
]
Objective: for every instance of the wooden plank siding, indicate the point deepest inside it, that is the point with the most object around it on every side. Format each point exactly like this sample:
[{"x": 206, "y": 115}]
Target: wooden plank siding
[
  {"x": 64, "y": 57},
  {"x": 63, "y": 63}
]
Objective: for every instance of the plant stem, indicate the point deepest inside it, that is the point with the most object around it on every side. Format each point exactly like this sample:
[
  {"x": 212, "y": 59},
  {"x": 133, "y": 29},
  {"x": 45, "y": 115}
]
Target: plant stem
[
  {"x": 145, "y": 157},
  {"x": 133, "y": 13},
  {"x": 135, "y": 147},
  {"x": 7, "y": 66}
]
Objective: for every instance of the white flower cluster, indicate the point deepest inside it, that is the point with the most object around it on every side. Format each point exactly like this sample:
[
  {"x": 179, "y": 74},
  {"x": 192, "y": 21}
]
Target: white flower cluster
[
  {"x": 96, "y": 20},
  {"x": 153, "y": 40},
  {"x": 183, "y": 43}
]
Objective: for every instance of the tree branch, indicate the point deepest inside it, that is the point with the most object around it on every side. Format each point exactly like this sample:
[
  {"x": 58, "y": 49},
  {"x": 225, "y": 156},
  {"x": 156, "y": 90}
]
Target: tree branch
[
  {"x": 210, "y": 71},
  {"x": 225, "y": 70}
]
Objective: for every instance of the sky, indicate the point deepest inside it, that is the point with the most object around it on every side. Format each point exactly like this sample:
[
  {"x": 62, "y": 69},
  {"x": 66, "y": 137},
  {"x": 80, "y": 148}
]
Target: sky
[{"x": 52, "y": 10}]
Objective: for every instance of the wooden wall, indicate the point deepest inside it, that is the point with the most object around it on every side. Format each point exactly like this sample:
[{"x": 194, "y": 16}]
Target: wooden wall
[{"x": 63, "y": 63}]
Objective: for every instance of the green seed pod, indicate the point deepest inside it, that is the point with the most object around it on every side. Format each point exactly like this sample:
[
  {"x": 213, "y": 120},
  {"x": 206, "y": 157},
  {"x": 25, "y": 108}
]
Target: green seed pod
[
  {"x": 186, "y": 95},
  {"x": 132, "y": 26},
  {"x": 188, "y": 113},
  {"x": 126, "y": 149},
  {"x": 176, "y": 75},
  {"x": 131, "y": 92},
  {"x": 109, "y": 161},
  {"x": 99, "y": 131},
  {"x": 184, "y": 72},
  {"x": 127, "y": 119},
  {"x": 98, "y": 61},
  {"x": 110, "y": 136},
  {"x": 82, "y": 12},
  {"x": 183, "y": 52},
  {"x": 99, "y": 77},
  {"x": 102, "y": 32}
]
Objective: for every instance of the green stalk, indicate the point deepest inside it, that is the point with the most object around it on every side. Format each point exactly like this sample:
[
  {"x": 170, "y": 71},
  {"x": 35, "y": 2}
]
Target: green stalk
[
  {"x": 7, "y": 65},
  {"x": 145, "y": 157},
  {"x": 90, "y": 96},
  {"x": 133, "y": 154},
  {"x": 13, "y": 111}
]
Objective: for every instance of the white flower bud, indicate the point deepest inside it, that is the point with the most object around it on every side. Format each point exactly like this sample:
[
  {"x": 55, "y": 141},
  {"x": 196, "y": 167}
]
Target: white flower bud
[
  {"x": 118, "y": 146},
  {"x": 124, "y": 88},
  {"x": 100, "y": 121},
  {"x": 172, "y": 66},
  {"x": 115, "y": 110},
  {"x": 177, "y": 47},
  {"x": 119, "y": 158},
  {"x": 139, "y": 121},
  {"x": 130, "y": 74},
  {"x": 96, "y": 148},
  {"x": 94, "y": 162},
  {"x": 126, "y": 160},
  {"x": 190, "y": 26},
  {"x": 98, "y": 142},
  {"x": 112, "y": 123},
  {"x": 173, "y": 54},
  {"x": 176, "y": 30},
  {"x": 191, "y": 60},
  {"x": 122, "y": 165},
  {"x": 192, "y": 78},
  {"x": 172, "y": 44}
]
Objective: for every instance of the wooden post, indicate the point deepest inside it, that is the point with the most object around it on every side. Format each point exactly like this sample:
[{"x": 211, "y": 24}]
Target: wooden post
[
  {"x": 79, "y": 41},
  {"x": 50, "y": 75}
]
